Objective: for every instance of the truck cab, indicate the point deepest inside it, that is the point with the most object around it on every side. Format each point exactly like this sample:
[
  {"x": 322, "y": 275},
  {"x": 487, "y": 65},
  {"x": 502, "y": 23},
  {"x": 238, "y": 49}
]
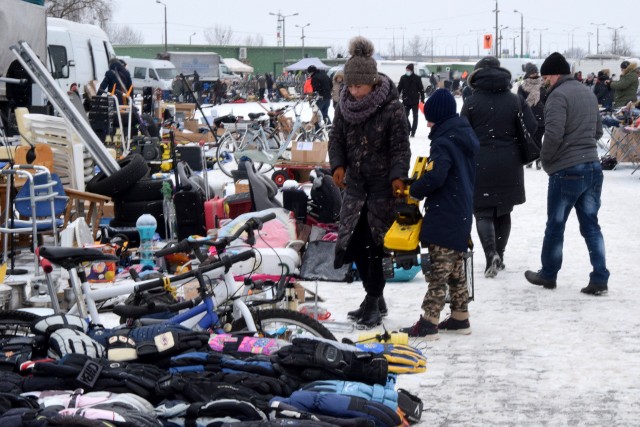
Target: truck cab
[{"x": 155, "y": 73}]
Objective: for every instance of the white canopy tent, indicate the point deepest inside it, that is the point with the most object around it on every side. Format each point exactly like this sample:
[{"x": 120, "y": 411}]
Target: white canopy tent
[
  {"x": 236, "y": 66},
  {"x": 304, "y": 63}
]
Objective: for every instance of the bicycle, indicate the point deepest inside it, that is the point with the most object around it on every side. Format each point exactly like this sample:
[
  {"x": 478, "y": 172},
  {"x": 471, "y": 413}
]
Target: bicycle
[
  {"x": 223, "y": 305},
  {"x": 260, "y": 144}
]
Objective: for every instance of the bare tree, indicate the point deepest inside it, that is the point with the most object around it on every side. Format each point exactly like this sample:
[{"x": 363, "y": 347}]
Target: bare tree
[
  {"x": 219, "y": 35},
  {"x": 337, "y": 52},
  {"x": 415, "y": 46},
  {"x": 124, "y": 35},
  {"x": 98, "y": 12},
  {"x": 256, "y": 40}
]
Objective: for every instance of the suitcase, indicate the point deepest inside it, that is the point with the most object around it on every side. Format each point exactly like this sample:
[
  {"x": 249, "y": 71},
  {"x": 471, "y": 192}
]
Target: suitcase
[
  {"x": 192, "y": 154},
  {"x": 189, "y": 214},
  {"x": 213, "y": 212}
]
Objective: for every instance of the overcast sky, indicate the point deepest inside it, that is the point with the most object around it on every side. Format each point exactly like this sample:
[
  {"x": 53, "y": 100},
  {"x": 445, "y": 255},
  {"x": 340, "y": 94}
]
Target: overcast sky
[{"x": 457, "y": 26}]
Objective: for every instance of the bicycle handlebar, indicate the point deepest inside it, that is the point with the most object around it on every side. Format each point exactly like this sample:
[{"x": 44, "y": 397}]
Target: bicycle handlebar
[
  {"x": 225, "y": 261},
  {"x": 186, "y": 245}
]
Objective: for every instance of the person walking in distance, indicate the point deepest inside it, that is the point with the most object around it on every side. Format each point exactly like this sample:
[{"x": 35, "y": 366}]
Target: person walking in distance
[
  {"x": 447, "y": 187},
  {"x": 369, "y": 154},
  {"x": 321, "y": 84},
  {"x": 534, "y": 94},
  {"x": 411, "y": 92},
  {"x": 492, "y": 111},
  {"x": 570, "y": 158}
]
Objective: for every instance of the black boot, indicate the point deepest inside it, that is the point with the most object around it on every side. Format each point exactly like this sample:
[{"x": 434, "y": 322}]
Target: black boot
[
  {"x": 487, "y": 234},
  {"x": 503, "y": 231},
  {"x": 371, "y": 315},
  {"x": 357, "y": 313}
]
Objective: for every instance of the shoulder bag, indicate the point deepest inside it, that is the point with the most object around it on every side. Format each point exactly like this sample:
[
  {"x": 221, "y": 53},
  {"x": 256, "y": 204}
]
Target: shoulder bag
[{"x": 529, "y": 147}]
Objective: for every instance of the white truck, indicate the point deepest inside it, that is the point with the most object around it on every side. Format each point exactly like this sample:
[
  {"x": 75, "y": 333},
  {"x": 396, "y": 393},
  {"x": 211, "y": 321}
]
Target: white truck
[
  {"x": 155, "y": 73},
  {"x": 72, "y": 52},
  {"x": 209, "y": 65}
]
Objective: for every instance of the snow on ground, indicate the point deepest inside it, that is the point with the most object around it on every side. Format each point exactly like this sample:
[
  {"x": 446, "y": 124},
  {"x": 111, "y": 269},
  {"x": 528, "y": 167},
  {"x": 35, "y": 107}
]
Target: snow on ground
[{"x": 536, "y": 356}]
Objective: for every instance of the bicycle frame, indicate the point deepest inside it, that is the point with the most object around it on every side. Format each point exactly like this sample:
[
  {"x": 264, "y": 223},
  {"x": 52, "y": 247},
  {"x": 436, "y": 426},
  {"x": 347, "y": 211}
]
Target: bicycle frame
[{"x": 204, "y": 315}]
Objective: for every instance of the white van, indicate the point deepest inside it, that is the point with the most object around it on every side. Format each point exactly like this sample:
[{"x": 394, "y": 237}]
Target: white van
[
  {"x": 155, "y": 73},
  {"x": 77, "y": 53}
]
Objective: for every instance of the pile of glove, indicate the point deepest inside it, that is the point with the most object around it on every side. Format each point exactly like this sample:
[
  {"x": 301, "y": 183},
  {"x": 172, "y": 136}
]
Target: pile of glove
[
  {"x": 311, "y": 359},
  {"x": 402, "y": 359}
]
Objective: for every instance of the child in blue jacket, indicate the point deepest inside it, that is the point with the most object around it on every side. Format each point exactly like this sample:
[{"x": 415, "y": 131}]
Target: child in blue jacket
[{"x": 447, "y": 184}]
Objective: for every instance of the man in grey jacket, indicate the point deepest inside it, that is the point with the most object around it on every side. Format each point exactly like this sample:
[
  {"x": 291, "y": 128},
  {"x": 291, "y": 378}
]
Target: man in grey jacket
[{"x": 570, "y": 158}]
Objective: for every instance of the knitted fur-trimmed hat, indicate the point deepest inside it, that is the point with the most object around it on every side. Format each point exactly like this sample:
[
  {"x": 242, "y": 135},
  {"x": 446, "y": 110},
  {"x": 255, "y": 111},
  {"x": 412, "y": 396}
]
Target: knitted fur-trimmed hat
[
  {"x": 440, "y": 106},
  {"x": 530, "y": 69},
  {"x": 555, "y": 64},
  {"x": 361, "y": 68}
]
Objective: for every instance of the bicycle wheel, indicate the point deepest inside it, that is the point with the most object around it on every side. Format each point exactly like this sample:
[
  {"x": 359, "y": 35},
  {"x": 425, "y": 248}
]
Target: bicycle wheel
[
  {"x": 284, "y": 324},
  {"x": 230, "y": 144},
  {"x": 16, "y": 323}
]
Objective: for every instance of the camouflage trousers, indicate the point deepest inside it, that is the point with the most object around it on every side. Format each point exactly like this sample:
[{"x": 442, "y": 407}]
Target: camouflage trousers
[{"x": 447, "y": 270}]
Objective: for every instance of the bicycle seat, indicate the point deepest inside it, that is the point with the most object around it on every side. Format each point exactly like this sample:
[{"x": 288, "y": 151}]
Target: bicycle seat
[
  {"x": 229, "y": 118},
  {"x": 253, "y": 116},
  {"x": 68, "y": 258}
]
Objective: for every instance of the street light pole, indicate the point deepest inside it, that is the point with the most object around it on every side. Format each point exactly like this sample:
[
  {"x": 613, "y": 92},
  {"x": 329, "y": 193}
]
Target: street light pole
[
  {"x": 615, "y": 37},
  {"x": 497, "y": 42},
  {"x": 598, "y": 36},
  {"x": 433, "y": 41},
  {"x": 541, "y": 30},
  {"x": 500, "y": 39},
  {"x": 165, "y": 24},
  {"x": 190, "y": 38},
  {"x": 302, "y": 27},
  {"x": 589, "y": 34},
  {"x": 281, "y": 18},
  {"x": 521, "y": 34}
]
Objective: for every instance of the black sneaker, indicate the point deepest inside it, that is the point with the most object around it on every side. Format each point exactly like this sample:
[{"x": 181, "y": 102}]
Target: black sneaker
[
  {"x": 423, "y": 329},
  {"x": 535, "y": 279},
  {"x": 462, "y": 327},
  {"x": 595, "y": 289}
]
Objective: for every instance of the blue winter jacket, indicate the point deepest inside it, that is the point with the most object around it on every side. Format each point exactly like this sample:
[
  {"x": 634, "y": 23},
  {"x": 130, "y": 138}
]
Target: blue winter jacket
[{"x": 448, "y": 184}]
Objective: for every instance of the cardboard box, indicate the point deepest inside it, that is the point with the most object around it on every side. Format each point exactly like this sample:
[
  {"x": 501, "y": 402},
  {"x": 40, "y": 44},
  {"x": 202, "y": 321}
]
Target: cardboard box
[
  {"x": 185, "y": 109},
  {"x": 309, "y": 152},
  {"x": 191, "y": 125}
]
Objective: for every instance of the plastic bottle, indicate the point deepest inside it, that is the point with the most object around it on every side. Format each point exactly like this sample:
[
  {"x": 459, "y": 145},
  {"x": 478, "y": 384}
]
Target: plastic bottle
[{"x": 146, "y": 226}]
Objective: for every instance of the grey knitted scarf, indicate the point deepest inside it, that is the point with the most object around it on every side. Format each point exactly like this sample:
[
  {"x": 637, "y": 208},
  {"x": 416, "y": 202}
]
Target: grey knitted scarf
[
  {"x": 357, "y": 111},
  {"x": 532, "y": 87}
]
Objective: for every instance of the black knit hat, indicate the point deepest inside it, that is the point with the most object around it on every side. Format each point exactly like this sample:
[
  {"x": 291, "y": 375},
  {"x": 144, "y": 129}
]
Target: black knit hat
[
  {"x": 624, "y": 65},
  {"x": 487, "y": 62},
  {"x": 410, "y": 67},
  {"x": 311, "y": 69},
  {"x": 530, "y": 69},
  {"x": 555, "y": 64},
  {"x": 361, "y": 68},
  {"x": 440, "y": 106}
]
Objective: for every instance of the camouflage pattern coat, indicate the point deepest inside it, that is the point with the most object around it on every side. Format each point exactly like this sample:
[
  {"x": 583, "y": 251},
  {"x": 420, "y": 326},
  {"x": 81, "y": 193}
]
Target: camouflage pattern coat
[{"x": 373, "y": 153}]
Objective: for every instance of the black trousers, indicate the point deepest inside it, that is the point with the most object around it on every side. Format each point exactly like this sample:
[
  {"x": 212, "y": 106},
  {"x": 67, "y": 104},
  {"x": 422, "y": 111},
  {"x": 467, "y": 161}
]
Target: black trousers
[
  {"x": 367, "y": 257},
  {"x": 414, "y": 124}
]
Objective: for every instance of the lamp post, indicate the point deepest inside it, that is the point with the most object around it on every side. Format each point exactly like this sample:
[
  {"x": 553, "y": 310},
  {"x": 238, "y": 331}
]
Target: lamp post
[
  {"x": 190, "y": 38},
  {"x": 496, "y": 10},
  {"x": 514, "y": 45},
  {"x": 500, "y": 39},
  {"x": 598, "y": 36},
  {"x": 589, "y": 34},
  {"x": 477, "y": 41},
  {"x": 615, "y": 37},
  {"x": 165, "y": 24},
  {"x": 302, "y": 27},
  {"x": 433, "y": 41},
  {"x": 281, "y": 18},
  {"x": 521, "y": 33},
  {"x": 541, "y": 30}
]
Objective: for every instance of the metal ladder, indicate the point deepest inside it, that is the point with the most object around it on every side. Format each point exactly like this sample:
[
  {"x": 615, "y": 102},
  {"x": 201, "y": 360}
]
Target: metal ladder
[{"x": 65, "y": 108}]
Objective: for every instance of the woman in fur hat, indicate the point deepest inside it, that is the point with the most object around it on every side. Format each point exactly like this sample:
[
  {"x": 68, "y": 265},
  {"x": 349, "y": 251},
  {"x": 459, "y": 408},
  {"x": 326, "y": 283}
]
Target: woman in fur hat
[
  {"x": 534, "y": 94},
  {"x": 369, "y": 154}
]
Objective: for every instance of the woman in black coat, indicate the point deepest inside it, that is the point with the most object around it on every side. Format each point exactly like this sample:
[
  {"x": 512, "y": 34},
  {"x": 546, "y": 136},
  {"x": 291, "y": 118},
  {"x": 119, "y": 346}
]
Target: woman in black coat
[
  {"x": 369, "y": 153},
  {"x": 534, "y": 93},
  {"x": 492, "y": 111}
]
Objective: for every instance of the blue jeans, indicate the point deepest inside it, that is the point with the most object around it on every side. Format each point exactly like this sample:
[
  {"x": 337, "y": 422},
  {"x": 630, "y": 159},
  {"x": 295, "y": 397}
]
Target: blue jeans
[{"x": 576, "y": 187}]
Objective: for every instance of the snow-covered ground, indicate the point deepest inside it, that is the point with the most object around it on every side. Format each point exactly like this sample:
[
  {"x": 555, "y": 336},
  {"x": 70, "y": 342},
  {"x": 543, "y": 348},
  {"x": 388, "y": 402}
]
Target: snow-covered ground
[{"x": 536, "y": 356}]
